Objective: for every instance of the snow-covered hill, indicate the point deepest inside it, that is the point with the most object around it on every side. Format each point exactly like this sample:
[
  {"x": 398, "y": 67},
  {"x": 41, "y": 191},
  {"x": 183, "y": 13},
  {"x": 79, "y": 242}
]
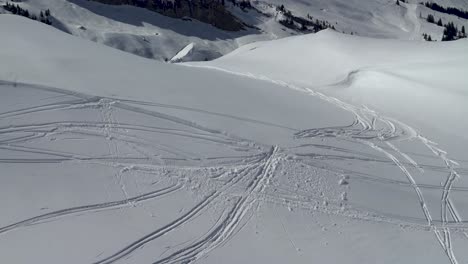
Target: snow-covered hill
[
  {"x": 323, "y": 148},
  {"x": 376, "y": 18},
  {"x": 144, "y": 32},
  {"x": 386, "y": 75},
  {"x": 152, "y": 35}
]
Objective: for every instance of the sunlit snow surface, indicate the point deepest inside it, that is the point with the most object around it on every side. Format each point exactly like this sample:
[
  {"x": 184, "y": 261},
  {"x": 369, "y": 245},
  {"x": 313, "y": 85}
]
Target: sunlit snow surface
[
  {"x": 110, "y": 158},
  {"x": 149, "y": 34}
]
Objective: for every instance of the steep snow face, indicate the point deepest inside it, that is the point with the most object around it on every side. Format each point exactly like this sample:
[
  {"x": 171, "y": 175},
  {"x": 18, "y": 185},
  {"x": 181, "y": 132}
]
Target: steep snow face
[{"x": 113, "y": 158}]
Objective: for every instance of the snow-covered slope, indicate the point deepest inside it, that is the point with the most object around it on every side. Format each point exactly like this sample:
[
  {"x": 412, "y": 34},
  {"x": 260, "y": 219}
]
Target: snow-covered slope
[
  {"x": 132, "y": 29},
  {"x": 376, "y": 18},
  {"x": 107, "y": 157},
  {"x": 143, "y": 32},
  {"x": 409, "y": 80},
  {"x": 152, "y": 35}
]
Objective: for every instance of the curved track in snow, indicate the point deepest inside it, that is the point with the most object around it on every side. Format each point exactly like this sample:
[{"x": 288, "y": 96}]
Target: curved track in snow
[
  {"x": 378, "y": 132},
  {"x": 230, "y": 183}
]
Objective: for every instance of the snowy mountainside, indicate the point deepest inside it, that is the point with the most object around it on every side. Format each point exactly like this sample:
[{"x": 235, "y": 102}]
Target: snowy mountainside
[
  {"x": 143, "y": 32},
  {"x": 377, "y": 18},
  {"x": 107, "y": 157},
  {"x": 152, "y": 35}
]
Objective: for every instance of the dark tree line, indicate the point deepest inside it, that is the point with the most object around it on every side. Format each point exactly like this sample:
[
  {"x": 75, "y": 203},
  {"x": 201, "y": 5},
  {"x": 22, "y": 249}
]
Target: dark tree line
[
  {"x": 302, "y": 24},
  {"x": 447, "y": 10},
  {"x": 17, "y": 10},
  {"x": 427, "y": 37},
  {"x": 430, "y": 18},
  {"x": 451, "y": 31},
  {"x": 211, "y": 12},
  {"x": 176, "y": 5}
]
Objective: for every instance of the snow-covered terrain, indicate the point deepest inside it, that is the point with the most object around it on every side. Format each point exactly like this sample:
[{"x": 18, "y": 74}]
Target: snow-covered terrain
[
  {"x": 385, "y": 75},
  {"x": 325, "y": 148},
  {"x": 376, "y": 18},
  {"x": 143, "y": 32},
  {"x": 149, "y": 34}
]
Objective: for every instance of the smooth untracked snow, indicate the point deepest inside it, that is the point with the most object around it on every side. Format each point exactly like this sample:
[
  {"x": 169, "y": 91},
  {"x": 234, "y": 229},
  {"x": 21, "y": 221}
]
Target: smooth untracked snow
[{"x": 107, "y": 157}]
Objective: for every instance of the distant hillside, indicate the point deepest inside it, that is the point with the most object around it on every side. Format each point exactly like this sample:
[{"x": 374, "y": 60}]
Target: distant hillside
[
  {"x": 160, "y": 29},
  {"x": 209, "y": 11}
]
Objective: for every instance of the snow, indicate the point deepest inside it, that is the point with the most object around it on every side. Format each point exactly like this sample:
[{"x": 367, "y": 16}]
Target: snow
[
  {"x": 134, "y": 30},
  {"x": 151, "y": 35},
  {"x": 375, "y": 18},
  {"x": 403, "y": 81},
  {"x": 183, "y": 53},
  {"x": 143, "y": 32},
  {"x": 107, "y": 157}
]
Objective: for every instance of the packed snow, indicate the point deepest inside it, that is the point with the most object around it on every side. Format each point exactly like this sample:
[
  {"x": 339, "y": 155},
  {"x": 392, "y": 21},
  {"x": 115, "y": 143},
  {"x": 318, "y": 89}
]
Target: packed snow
[{"x": 324, "y": 148}]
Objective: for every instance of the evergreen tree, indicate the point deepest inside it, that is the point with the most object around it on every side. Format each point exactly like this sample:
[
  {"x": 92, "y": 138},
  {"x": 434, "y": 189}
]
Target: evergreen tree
[
  {"x": 450, "y": 32},
  {"x": 439, "y": 23},
  {"x": 430, "y": 18}
]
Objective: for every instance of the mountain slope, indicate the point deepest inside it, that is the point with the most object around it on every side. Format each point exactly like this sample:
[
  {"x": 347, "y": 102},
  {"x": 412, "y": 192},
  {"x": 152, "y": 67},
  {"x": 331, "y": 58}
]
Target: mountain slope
[
  {"x": 152, "y": 35},
  {"x": 376, "y": 18},
  {"x": 140, "y": 31}
]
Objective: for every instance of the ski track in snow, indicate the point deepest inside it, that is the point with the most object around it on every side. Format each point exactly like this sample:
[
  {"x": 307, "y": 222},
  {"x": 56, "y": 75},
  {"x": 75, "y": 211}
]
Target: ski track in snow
[
  {"x": 364, "y": 130},
  {"x": 132, "y": 201},
  {"x": 242, "y": 179}
]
